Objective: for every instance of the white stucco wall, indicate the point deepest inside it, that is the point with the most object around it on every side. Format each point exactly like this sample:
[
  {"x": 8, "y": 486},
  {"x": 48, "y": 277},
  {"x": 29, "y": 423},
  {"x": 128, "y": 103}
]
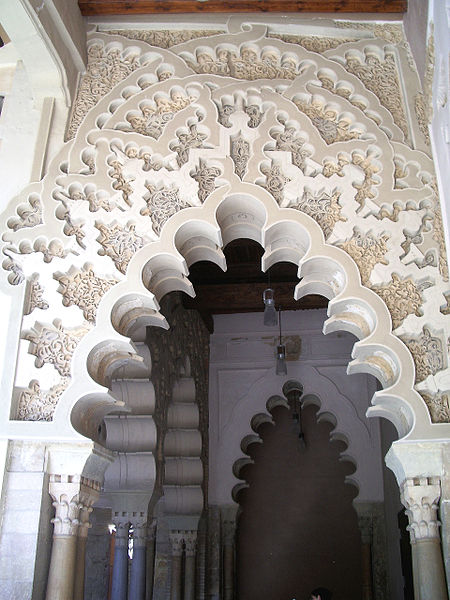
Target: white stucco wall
[{"x": 243, "y": 378}]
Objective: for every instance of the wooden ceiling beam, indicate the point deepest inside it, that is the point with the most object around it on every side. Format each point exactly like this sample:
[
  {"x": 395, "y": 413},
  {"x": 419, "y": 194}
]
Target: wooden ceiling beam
[
  {"x": 142, "y": 7},
  {"x": 231, "y": 298}
]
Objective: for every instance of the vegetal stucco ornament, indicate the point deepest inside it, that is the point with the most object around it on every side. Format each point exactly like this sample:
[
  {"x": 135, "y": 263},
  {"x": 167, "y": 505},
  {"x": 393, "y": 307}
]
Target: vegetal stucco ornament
[
  {"x": 34, "y": 297},
  {"x": 428, "y": 353},
  {"x": 165, "y": 38},
  {"x": 402, "y": 296},
  {"x": 156, "y": 113},
  {"x": 29, "y": 215},
  {"x": 240, "y": 154},
  {"x": 439, "y": 406},
  {"x": 162, "y": 203},
  {"x": 188, "y": 139},
  {"x": 367, "y": 250},
  {"x": 119, "y": 243},
  {"x": 275, "y": 180},
  {"x": 54, "y": 344},
  {"x": 35, "y": 404},
  {"x": 105, "y": 68},
  {"x": 96, "y": 199},
  {"x": 83, "y": 288},
  {"x": 389, "y": 32},
  {"x": 294, "y": 142},
  {"x": 376, "y": 68},
  {"x": 312, "y": 136},
  {"x": 422, "y": 117},
  {"x": 248, "y": 62},
  {"x": 206, "y": 177},
  {"x": 313, "y": 43},
  {"x": 323, "y": 207},
  {"x": 331, "y": 126}
]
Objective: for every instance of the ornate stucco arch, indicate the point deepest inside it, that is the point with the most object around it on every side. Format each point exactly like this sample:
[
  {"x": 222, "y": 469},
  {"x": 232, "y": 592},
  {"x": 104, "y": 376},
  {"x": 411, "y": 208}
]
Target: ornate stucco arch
[
  {"x": 286, "y": 235},
  {"x": 179, "y": 145},
  {"x": 313, "y": 143}
]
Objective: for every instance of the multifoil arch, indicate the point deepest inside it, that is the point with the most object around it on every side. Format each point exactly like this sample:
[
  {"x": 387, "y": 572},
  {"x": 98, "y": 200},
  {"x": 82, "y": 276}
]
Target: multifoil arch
[{"x": 169, "y": 153}]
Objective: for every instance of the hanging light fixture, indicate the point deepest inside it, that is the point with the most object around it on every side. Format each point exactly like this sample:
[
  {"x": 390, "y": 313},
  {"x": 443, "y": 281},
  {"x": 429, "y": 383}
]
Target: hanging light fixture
[
  {"x": 281, "y": 368},
  {"x": 293, "y": 390},
  {"x": 270, "y": 314}
]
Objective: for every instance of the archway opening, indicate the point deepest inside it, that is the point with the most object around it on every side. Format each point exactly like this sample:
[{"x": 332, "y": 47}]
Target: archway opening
[{"x": 297, "y": 529}]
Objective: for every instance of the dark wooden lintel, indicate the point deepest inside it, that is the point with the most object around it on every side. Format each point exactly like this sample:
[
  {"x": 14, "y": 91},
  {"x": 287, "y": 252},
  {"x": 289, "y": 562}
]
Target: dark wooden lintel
[
  {"x": 247, "y": 297},
  {"x": 141, "y": 7}
]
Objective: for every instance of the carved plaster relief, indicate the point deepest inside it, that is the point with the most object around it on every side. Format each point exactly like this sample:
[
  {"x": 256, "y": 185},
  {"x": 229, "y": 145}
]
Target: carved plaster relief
[
  {"x": 54, "y": 344},
  {"x": 172, "y": 129},
  {"x": 84, "y": 289},
  {"x": 35, "y": 404}
]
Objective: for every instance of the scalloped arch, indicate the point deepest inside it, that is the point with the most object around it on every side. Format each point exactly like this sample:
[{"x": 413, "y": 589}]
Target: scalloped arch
[
  {"x": 323, "y": 415},
  {"x": 286, "y": 234}
]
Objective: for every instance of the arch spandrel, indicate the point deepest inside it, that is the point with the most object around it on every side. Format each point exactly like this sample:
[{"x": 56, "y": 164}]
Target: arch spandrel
[{"x": 116, "y": 204}]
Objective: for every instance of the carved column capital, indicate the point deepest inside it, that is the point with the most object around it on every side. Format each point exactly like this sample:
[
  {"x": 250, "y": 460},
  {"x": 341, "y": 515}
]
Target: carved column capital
[
  {"x": 89, "y": 494},
  {"x": 73, "y": 497},
  {"x": 190, "y": 542},
  {"x": 176, "y": 539},
  {"x": 122, "y": 525},
  {"x": 139, "y": 533},
  {"x": 420, "y": 496},
  {"x": 365, "y": 521}
]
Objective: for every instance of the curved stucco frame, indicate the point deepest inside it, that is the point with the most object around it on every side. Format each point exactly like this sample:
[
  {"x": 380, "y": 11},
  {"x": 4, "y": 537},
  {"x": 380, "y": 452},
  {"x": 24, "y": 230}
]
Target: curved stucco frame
[
  {"x": 286, "y": 234},
  {"x": 162, "y": 265}
]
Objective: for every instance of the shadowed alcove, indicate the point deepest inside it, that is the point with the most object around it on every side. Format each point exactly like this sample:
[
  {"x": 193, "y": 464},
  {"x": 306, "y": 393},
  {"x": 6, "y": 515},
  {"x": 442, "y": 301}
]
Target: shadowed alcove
[{"x": 297, "y": 528}]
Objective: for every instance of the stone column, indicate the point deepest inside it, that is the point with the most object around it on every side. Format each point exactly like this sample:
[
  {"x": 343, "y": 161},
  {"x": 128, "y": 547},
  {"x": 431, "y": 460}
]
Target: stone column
[
  {"x": 214, "y": 552},
  {"x": 190, "y": 541},
  {"x": 228, "y": 541},
  {"x": 420, "y": 497},
  {"x": 150, "y": 560},
  {"x": 119, "y": 587},
  {"x": 71, "y": 494},
  {"x": 200, "y": 569},
  {"x": 85, "y": 506},
  {"x": 365, "y": 527},
  {"x": 138, "y": 564},
  {"x": 176, "y": 539}
]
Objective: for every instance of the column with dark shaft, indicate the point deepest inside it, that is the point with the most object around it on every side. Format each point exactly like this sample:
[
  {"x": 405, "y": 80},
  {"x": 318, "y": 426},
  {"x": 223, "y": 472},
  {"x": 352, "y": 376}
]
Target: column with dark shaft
[
  {"x": 150, "y": 560},
  {"x": 177, "y": 541},
  {"x": 119, "y": 586},
  {"x": 85, "y": 507},
  {"x": 138, "y": 562},
  {"x": 190, "y": 541},
  {"x": 365, "y": 527},
  {"x": 228, "y": 540}
]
